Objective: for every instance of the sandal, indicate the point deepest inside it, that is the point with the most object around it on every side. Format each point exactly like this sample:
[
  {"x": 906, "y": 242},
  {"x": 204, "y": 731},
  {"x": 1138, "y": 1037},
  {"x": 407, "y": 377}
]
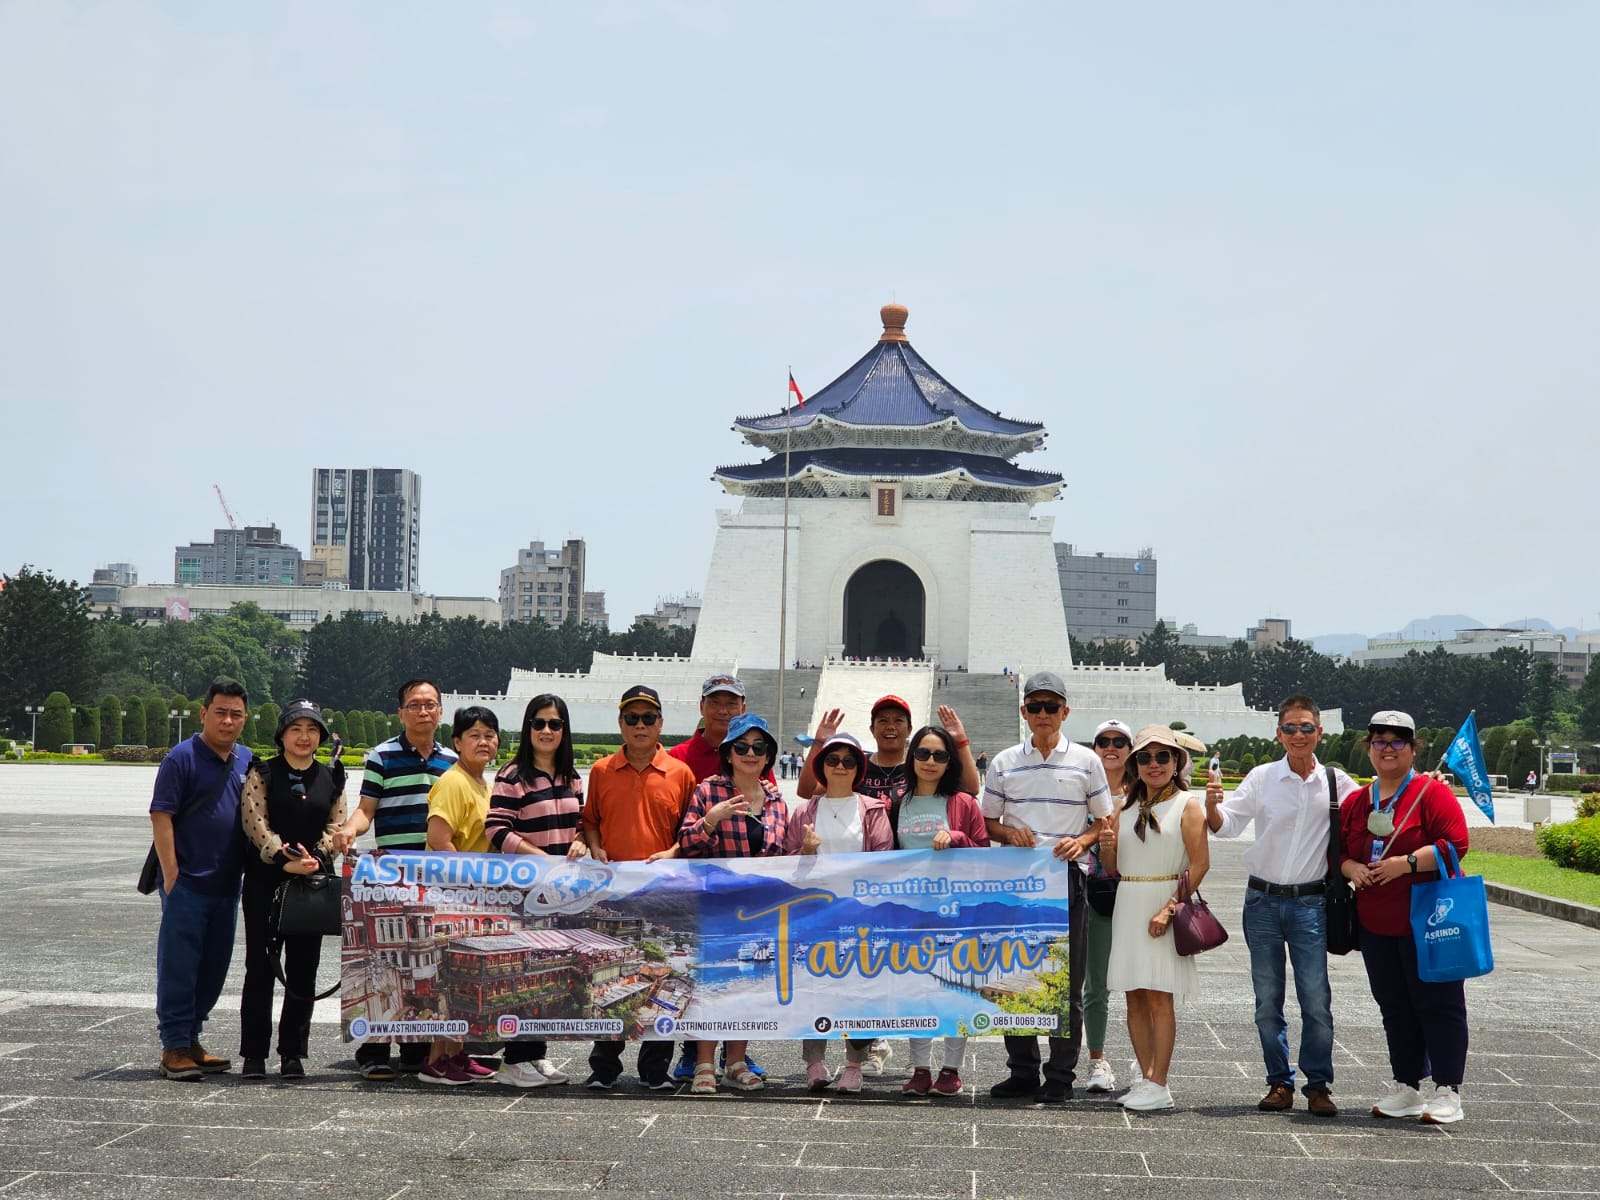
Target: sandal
[
  {"x": 705, "y": 1080},
  {"x": 741, "y": 1078}
]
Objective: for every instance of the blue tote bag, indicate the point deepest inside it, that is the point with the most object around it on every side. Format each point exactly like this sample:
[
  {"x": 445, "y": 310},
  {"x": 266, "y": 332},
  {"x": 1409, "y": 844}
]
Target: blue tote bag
[{"x": 1450, "y": 922}]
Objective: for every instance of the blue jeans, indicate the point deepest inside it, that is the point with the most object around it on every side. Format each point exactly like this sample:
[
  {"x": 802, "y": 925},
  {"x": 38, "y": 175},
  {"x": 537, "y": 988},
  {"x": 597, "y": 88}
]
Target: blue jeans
[
  {"x": 193, "y": 951},
  {"x": 1300, "y": 923}
]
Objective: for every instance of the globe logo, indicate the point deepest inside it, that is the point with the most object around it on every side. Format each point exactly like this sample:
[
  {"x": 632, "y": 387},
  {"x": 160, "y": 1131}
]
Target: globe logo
[{"x": 358, "y": 1027}]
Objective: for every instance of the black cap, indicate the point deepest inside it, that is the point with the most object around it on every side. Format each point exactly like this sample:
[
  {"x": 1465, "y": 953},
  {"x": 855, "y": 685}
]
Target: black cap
[
  {"x": 640, "y": 691},
  {"x": 293, "y": 711}
]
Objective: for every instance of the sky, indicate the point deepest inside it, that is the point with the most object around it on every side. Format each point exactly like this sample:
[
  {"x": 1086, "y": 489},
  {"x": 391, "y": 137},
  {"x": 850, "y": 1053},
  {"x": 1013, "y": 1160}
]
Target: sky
[{"x": 1304, "y": 293}]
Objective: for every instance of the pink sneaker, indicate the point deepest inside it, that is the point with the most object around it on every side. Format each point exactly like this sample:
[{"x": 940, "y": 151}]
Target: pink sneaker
[
  {"x": 818, "y": 1077},
  {"x": 920, "y": 1083},
  {"x": 849, "y": 1079},
  {"x": 948, "y": 1083},
  {"x": 446, "y": 1071},
  {"x": 474, "y": 1071}
]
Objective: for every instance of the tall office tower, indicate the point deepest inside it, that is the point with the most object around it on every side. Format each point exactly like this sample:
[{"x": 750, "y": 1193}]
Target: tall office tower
[
  {"x": 544, "y": 584},
  {"x": 366, "y": 526},
  {"x": 254, "y": 556}
]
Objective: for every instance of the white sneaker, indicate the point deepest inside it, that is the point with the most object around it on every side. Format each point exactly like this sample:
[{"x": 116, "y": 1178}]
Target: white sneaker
[
  {"x": 1140, "y": 1086},
  {"x": 1101, "y": 1077},
  {"x": 1149, "y": 1097},
  {"x": 873, "y": 1063},
  {"x": 1403, "y": 1101},
  {"x": 552, "y": 1074},
  {"x": 1444, "y": 1108},
  {"x": 1135, "y": 1072},
  {"x": 519, "y": 1075}
]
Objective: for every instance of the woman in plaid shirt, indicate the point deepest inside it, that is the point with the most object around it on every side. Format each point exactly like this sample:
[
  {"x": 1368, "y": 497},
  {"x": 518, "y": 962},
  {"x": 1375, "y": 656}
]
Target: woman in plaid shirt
[{"x": 735, "y": 814}]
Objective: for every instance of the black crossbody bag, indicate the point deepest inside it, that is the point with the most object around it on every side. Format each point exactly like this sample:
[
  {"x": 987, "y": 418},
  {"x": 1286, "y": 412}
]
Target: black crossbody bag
[{"x": 1344, "y": 930}]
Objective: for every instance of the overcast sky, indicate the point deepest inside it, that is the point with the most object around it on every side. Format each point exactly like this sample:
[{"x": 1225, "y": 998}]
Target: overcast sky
[{"x": 1304, "y": 293}]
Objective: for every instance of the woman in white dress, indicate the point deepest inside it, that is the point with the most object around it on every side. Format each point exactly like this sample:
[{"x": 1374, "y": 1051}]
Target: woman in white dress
[{"x": 1160, "y": 832}]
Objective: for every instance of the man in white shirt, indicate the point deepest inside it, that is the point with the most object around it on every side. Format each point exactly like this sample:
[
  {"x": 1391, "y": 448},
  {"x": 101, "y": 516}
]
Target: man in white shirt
[
  {"x": 1049, "y": 790},
  {"x": 1285, "y": 900}
]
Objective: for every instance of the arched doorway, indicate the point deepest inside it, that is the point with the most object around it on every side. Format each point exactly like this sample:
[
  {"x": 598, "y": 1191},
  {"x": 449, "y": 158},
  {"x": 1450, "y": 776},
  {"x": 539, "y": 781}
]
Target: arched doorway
[{"x": 884, "y": 612}]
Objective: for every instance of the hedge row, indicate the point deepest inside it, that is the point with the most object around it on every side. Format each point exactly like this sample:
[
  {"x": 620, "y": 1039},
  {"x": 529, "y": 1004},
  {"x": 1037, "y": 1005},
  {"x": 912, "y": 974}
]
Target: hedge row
[
  {"x": 1574, "y": 844},
  {"x": 1570, "y": 783}
]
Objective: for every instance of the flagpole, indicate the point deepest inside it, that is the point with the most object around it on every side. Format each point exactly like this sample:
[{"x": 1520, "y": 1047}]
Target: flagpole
[
  {"x": 783, "y": 570},
  {"x": 1446, "y": 753}
]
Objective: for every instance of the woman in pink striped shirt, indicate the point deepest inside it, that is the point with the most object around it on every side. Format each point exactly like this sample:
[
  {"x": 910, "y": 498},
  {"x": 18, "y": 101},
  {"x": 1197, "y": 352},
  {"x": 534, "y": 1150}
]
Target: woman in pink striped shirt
[{"x": 534, "y": 809}]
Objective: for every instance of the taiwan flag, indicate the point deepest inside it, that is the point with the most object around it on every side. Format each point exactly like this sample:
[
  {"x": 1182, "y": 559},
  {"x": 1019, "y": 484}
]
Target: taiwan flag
[{"x": 795, "y": 388}]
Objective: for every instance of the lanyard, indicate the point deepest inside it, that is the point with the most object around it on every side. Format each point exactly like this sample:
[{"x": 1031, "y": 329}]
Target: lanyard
[{"x": 1394, "y": 799}]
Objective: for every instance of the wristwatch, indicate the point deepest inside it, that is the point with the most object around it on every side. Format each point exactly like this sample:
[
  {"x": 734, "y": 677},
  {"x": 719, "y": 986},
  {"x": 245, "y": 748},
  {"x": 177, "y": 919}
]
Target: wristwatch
[{"x": 1411, "y": 861}]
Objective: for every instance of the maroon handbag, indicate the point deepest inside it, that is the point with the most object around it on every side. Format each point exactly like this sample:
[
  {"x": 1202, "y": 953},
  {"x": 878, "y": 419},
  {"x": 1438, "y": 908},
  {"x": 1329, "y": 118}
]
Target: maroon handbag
[{"x": 1195, "y": 928}]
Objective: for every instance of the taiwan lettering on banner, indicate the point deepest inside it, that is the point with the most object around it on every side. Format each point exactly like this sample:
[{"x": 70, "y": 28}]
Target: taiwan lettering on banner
[{"x": 489, "y": 947}]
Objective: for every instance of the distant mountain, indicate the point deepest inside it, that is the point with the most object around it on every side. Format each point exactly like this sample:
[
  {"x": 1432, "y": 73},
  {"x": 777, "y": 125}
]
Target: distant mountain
[
  {"x": 1441, "y": 627},
  {"x": 1339, "y": 643}
]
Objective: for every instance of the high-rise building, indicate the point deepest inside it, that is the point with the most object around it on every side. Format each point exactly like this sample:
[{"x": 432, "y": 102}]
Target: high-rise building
[
  {"x": 366, "y": 525},
  {"x": 254, "y": 556},
  {"x": 1107, "y": 595},
  {"x": 544, "y": 584},
  {"x": 673, "y": 612},
  {"x": 594, "y": 610}
]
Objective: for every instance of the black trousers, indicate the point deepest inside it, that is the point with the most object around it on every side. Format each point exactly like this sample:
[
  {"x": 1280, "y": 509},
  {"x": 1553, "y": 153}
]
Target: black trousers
[
  {"x": 300, "y": 958},
  {"x": 605, "y": 1059},
  {"x": 1022, "y": 1052}
]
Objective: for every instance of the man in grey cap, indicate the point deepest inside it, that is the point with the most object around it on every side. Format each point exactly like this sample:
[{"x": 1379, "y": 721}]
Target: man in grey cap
[{"x": 1047, "y": 789}]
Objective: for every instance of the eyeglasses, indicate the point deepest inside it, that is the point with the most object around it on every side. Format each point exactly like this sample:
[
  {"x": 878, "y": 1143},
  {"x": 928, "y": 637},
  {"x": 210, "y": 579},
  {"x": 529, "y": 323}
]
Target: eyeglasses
[
  {"x": 840, "y": 760},
  {"x": 923, "y": 754},
  {"x": 421, "y": 706},
  {"x": 748, "y": 749},
  {"x": 645, "y": 718},
  {"x": 1104, "y": 740},
  {"x": 1160, "y": 757},
  {"x": 540, "y": 724},
  {"x": 1303, "y": 727},
  {"x": 1388, "y": 743},
  {"x": 1035, "y": 707}
]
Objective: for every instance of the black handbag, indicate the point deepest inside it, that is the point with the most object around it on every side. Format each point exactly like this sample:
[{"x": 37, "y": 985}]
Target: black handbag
[
  {"x": 1101, "y": 892},
  {"x": 1344, "y": 929},
  {"x": 150, "y": 873},
  {"x": 306, "y": 906}
]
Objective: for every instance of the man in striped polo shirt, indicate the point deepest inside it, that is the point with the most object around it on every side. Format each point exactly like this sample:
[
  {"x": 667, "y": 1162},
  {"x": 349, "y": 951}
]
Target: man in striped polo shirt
[
  {"x": 394, "y": 805},
  {"x": 1049, "y": 791}
]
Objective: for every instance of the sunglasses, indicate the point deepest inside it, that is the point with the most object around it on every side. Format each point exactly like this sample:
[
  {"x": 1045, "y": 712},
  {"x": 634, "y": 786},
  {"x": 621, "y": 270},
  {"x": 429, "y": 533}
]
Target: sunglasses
[
  {"x": 1303, "y": 727},
  {"x": 540, "y": 724},
  {"x": 1388, "y": 743},
  {"x": 840, "y": 760},
  {"x": 748, "y": 749},
  {"x": 1160, "y": 757},
  {"x": 1104, "y": 740},
  {"x": 923, "y": 754},
  {"x": 645, "y": 718},
  {"x": 1035, "y": 707}
]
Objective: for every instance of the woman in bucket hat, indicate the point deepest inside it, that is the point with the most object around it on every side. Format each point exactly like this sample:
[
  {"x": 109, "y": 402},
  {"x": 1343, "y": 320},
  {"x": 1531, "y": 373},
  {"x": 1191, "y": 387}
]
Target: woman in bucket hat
[{"x": 291, "y": 807}]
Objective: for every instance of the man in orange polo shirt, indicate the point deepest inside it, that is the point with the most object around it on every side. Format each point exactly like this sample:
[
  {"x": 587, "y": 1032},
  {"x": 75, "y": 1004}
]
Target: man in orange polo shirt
[{"x": 634, "y": 803}]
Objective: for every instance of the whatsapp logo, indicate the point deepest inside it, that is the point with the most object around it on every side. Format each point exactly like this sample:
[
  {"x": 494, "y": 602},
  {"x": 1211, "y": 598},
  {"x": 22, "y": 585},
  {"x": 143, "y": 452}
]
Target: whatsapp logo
[{"x": 981, "y": 1021}]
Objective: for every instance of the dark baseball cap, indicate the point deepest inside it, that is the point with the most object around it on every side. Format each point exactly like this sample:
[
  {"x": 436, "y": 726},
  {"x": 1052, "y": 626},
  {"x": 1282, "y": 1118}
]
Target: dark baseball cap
[{"x": 640, "y": 691}]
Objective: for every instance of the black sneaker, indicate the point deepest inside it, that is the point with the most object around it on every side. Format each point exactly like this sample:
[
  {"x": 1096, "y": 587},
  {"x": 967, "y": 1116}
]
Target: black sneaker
[
  {"x": 254, "y": 1068},
  {"x": 1053, "y": 1092},
  {"x": 600, "y": 1084},
  {"x": 661, "y": 1083},
  {"x": 1015, "y": 1087},
  {"x": 292, "y": 1068}
]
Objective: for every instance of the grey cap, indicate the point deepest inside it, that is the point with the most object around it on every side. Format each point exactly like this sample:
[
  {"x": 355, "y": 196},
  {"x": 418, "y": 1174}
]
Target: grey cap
[
  {"x": 722, "y": 683},
  {"x": 1044, "y": 681},
  {"x": 1391, "y": 718}
]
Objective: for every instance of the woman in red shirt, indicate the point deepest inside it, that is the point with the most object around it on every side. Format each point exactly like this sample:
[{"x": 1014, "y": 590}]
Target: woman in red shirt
[{"x": 1390, "y": 833}]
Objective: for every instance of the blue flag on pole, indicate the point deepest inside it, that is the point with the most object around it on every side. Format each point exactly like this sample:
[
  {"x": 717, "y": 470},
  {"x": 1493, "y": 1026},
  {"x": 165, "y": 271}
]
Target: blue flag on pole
[{"x": 1465, "y": 758}]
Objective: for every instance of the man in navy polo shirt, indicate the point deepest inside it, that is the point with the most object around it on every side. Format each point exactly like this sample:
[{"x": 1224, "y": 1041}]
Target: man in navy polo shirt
[{"x": 194, "y": 816}]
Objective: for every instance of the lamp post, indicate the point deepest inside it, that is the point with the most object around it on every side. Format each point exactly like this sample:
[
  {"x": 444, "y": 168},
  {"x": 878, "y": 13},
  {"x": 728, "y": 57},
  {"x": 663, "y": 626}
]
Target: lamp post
[
  {"x": 180, "y": 713},
  {"x": 33, "y": 710}
]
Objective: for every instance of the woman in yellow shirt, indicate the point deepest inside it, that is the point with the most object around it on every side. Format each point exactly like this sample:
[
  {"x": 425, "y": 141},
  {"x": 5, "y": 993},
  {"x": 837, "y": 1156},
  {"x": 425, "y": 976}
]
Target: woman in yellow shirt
[{"x": 458, "y": 802}]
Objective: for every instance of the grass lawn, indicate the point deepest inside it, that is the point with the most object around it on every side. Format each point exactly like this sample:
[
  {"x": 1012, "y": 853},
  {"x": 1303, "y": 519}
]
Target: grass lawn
[{"x": 1535, "y": 875}]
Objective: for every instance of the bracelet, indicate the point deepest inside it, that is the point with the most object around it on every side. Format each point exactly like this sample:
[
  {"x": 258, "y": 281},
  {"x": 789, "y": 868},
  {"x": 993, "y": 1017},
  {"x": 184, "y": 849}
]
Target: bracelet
[{"x": 963, "y": 743}]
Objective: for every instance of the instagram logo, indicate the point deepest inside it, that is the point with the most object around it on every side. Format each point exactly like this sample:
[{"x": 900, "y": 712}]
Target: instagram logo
[{"x": 508, "y": 1026}]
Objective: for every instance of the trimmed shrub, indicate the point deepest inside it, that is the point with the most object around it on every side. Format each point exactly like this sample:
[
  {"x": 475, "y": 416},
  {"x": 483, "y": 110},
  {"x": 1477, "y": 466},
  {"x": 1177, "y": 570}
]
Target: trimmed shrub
[
  {"x": 1589, "y": 806},
  {"x": 1572, "y": 783},
  {"x": 1574, "y": 844}
]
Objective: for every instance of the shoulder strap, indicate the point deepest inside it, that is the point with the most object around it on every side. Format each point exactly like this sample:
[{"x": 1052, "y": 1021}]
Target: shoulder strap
[
  {"x": 1421, "y": 792},
  {"x": 894, "y": 819},
  {"x": 1334, "y": 849}
]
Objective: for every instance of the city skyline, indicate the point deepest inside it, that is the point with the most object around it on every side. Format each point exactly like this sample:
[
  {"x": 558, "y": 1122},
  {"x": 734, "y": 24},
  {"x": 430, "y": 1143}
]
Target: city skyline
[{"x": 1302, "y": 298}]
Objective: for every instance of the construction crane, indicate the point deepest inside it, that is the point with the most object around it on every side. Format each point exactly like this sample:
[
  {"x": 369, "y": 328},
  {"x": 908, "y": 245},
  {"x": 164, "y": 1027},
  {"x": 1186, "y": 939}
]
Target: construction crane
[{"x": 226, "y": 511}]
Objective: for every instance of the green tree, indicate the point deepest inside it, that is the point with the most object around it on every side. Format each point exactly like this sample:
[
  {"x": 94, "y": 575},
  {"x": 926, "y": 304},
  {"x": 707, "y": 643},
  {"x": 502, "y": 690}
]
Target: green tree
[
  {"x": 267, "y": 721},
  {"x": 355, "y": 722},
  {"x": 110, "y": 722},
  {"x": 46, "y": 642},
  {"x": 1589, "y": 705},
  {"x": 55, "y": 726},
  {"x": 1542, "y": 690},
  {"x": 133, "y": 730},
  {"x": 157, "y": 725},
  {"x": 1158, "y": 645}
]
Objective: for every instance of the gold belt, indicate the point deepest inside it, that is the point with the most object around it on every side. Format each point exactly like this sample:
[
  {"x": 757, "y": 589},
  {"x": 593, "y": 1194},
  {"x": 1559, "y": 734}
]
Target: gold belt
[{"x": 1149, "y": 878}]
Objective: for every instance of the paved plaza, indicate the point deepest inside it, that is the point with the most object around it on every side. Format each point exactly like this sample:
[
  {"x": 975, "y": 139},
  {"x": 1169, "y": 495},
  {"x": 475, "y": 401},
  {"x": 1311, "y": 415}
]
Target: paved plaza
[{"x": 83, "y": 1113}]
